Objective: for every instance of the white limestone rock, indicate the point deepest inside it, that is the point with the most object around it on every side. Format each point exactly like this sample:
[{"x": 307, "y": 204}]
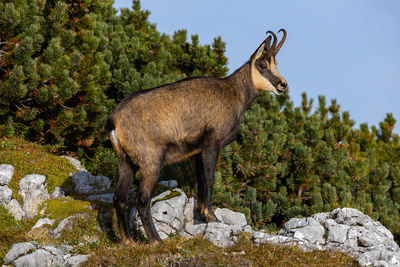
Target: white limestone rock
[
  {"x": 58, "y": 193},
  {"x": 5, "y": 194},
  {"x": 67, "y": 223},
  {"x": 18, "y": 250},
  {"x": 6, "y": 173},
  {"x": 33, "y": 189},
  {"x": 105, "y": 198},
  {"x": 230, "y": 217},
  {"x": 15, "y": 209},
  {"x": 77, "y": 164},
  {"x": 42, "y": 222},
  {"x": 169, "y": 183},
  {"x": 85, "y": 183}
]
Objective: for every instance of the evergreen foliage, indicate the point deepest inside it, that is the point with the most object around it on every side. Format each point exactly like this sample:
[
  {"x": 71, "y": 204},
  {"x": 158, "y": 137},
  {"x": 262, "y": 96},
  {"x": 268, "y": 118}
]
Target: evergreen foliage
[
  {"x": 65, "y": 64},
  {"x": 53, "y": 70},
  {"x": 288, "y": 162}
]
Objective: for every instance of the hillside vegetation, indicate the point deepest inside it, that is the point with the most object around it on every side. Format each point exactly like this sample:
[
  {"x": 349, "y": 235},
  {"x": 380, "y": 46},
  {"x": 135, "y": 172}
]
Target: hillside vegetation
[
  {"x": 104, "y": 247},
  {"x": 65, "y": 65}
]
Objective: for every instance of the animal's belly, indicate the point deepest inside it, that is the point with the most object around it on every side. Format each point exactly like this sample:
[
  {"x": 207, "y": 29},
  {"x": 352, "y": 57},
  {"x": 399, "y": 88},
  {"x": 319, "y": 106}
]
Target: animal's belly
[{"x": 175, "y": 154}]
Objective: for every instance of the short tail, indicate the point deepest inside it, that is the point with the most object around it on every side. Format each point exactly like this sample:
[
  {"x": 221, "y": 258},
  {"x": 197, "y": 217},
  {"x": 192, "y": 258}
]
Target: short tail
[
  {"x": 110, "y": 126},
  {"x": 112, "y": 132}
]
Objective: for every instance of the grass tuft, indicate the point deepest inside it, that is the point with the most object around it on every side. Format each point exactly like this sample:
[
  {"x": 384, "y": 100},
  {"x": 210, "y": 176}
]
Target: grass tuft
[
  {"x": 179, "y": 251},
  {"x": 30, "y": 158},
  {"x": 87, "y": 236}
]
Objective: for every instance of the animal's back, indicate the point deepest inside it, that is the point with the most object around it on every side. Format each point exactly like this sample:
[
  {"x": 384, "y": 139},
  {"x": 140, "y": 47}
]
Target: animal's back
[
  {"x": 177, "y": 116},
  {"x": 177, "y": 109}
]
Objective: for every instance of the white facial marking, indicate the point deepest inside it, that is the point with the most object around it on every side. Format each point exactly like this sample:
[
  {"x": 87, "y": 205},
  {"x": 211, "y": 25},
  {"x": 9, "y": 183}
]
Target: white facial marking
[{"x": 259, "y": 81}]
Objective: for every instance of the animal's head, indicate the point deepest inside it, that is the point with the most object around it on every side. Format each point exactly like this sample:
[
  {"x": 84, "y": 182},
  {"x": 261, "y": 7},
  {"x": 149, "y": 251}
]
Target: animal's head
[{"x": 264, "y": 72}]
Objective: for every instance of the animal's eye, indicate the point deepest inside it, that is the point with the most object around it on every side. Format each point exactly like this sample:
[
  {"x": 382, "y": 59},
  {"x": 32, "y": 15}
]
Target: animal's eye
[{"x": 263, "y": 65}]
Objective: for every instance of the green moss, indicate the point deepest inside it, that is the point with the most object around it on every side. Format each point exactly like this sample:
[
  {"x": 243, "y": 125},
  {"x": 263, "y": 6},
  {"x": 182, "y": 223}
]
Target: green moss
[
  {"x": 169, "y": 196},
  {"x": 86, "y": 230},
  {"x": 65, "y": 207},
  {"x": 11, "y": 231},
  {"x": 30, "y": 158}
]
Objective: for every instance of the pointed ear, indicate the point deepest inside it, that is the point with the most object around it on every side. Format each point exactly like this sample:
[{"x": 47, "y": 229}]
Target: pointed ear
[{"x": 258, "y": 52}]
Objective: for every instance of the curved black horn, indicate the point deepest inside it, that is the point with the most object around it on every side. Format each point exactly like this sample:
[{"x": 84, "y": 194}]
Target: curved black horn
[
  {"x": 271, "y": 49},
  {"x": 281, "y": 42}
]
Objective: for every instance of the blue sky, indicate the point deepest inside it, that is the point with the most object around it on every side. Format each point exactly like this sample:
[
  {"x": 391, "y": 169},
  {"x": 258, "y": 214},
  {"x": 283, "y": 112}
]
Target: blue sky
[{"x": 347, "y": 50}]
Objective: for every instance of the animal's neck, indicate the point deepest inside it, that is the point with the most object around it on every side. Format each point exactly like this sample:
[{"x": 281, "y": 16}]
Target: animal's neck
[{"x": 242, "y": 86}]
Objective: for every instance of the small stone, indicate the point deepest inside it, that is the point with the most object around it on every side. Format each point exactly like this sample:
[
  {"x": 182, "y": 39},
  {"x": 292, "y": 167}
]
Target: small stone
[
  {"x": 58, "y": 193},
  {"x": 231, "y": 217},
  {"x": 77, "y": 164},
  {"x": 336, "y": 232},
  {"x": 6, "y": 173},
  {"x": 81, "y": 177},
  {"x": 76, "y": 260},
  {"x": 40, "y": 257},
  {"x": 67, "y": 223},
  {"x": 15, "y": 209},
  {"x": 189, "y": 212},
  {"x": 169, "y": 183},
  {"x": 100, "y": 182},
  {"x": 220, "y": 234},
  {"x": 321, "y": 217},
  {"x": 106, "y": 198},
  {"x": 18, "y": 250},
  {"x": 248, "y": 229},
  {"x": 193, "y": 230},
  {"x": 33, "y": 188},
  {"x": 42, "y": 222},
  {"x": 66, "y": 248},
  {"x": 85, "y": 183},
  {"x": 260, "y": 237},
  {"x": 307, "y": 230},
  {"x": 167, "y": 214},
  {"x": 5, "y": 194},
  {"x": 53, "y": 250}
]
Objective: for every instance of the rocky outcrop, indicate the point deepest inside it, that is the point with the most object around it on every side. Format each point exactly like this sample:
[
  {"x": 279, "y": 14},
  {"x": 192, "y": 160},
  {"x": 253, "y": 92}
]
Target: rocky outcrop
[
  {"x": 346, "y": 230},
  {"x": 85, "y": 183},
  {"x": 33, "y": 189},
  {"x": 32, "y": 255},
  {"x": 42, "y": 222},
  {"x": 58, "y": 193},
  {"x": 6, "y": 173},
  {"x": 67, "y": 224},
  {"x": 173, "y": 213},
  {"x": 12, "y": 205},
  {"x": 5, "y": 194},
  {"x": 15, "y": 209}
]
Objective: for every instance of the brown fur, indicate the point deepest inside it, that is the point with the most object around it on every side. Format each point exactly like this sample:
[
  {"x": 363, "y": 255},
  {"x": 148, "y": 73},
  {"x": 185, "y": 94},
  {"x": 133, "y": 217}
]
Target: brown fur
[{"x": 193, "y": 117}]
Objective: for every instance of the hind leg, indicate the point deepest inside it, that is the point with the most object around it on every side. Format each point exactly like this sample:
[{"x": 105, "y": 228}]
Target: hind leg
[
  {"x": 150, "y": 172},
  {"x": 127, "y": 173}
]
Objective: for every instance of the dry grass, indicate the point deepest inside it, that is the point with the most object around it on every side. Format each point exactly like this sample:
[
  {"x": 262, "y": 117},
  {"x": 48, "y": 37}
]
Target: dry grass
[
  {"x": 30, "y": 158},
  {"x": 180, "y": 251}
]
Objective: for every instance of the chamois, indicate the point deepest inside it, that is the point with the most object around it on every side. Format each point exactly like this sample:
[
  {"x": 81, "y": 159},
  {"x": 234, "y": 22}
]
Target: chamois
[{"x": 193, "y": 117}]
